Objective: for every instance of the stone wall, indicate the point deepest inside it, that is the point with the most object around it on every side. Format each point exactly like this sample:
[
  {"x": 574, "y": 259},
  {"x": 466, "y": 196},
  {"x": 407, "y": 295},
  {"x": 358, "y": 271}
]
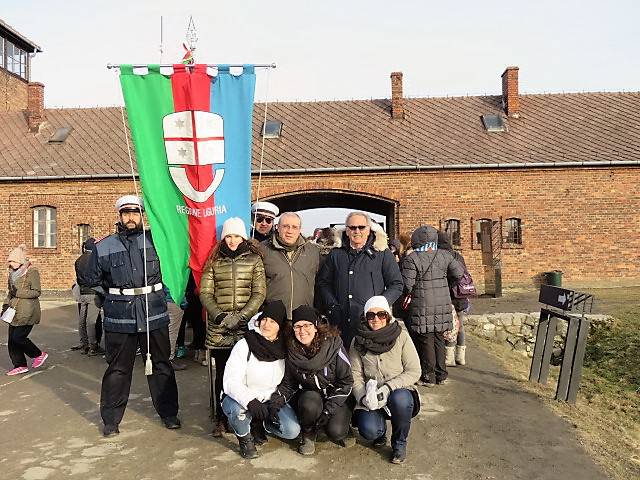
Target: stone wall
[{"x": 518, "y": 330}]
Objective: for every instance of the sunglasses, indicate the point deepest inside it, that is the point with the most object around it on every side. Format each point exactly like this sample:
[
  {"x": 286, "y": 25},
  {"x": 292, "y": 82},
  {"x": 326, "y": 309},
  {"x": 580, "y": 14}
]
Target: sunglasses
[
  {"x": 353, "y": 228},
  {"x": 263, "y": 219},
  {"x": 382, "y": 315}
]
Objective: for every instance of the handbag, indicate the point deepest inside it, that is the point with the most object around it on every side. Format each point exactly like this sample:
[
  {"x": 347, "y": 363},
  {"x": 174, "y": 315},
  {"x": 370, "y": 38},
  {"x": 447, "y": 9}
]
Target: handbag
[
  {"x": 452, "y": 335},
  {"x": 465, "y": 287},
  {"x": 406, "y": 301},
  {"x": 8, "y": 315}
]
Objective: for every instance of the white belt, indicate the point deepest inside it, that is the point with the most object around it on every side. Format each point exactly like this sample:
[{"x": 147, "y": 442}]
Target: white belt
[{"x": 136, "y": 291}]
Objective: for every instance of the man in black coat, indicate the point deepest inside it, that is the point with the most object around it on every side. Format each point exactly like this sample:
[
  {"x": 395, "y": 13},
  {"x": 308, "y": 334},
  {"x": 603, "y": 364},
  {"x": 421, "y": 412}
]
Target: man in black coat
[{"x": 359, "y": 269}]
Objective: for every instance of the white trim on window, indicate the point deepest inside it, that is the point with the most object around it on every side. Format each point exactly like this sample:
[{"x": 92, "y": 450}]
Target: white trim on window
[{"x": 44, "y": 227}]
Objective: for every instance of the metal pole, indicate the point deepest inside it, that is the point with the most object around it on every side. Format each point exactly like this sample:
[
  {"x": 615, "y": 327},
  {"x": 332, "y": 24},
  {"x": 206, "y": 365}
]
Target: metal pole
[{"x": 212, "y": 65}]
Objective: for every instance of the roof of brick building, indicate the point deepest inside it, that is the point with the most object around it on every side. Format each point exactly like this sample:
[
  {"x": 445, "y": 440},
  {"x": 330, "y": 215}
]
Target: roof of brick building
[{"x": 552, "y": 129}]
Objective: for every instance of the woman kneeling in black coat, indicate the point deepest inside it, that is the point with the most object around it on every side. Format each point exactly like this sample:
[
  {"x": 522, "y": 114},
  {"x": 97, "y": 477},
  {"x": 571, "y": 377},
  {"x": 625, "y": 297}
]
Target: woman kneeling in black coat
[{"x": 317, "y": 381}]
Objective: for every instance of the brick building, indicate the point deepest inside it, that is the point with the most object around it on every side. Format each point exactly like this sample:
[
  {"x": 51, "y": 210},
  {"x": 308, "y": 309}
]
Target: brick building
[{"x": 523, "y": 183}]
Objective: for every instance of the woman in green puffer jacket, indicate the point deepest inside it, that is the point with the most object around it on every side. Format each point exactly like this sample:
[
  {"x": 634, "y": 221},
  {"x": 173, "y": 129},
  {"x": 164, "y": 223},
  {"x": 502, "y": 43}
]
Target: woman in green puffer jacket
[{"x": 232, "y": 289}]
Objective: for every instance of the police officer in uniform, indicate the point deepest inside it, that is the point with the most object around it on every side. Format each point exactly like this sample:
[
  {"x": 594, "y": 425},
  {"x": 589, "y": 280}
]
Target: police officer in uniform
[
  {"x": 264, "y": 215},
  {"x": 117, "y": 265}
]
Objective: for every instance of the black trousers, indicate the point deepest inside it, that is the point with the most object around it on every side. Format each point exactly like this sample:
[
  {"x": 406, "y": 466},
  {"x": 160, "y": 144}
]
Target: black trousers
[
  {"x": 221, "y": 355},
  {"x": 431, "y": 350},
  {"x": 116, "y": 383},
  {"x": 19, "y": 345},
  {"x": 309, "y": 406}
]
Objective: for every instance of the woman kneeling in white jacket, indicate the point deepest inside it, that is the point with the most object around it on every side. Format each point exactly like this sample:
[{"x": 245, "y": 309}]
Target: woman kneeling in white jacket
[{"x": 253, "y": 372}]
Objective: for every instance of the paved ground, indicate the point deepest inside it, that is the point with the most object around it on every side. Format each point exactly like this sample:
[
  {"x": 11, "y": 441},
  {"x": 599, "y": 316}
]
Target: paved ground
[{"x": 480, "y": 426}]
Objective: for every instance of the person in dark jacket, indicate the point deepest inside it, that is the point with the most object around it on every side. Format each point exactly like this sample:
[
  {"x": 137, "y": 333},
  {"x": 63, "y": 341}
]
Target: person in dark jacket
[
  {"x": 456, "y": 351},
  {"x": 317, "y": 381},
  {"x": 117, "y": 265},
  {"x": 360, "y": 268},
  {"x": 291, "y": 264},
  {"x": 90, "y": 302},
  {"x": 425, "y": 272}
]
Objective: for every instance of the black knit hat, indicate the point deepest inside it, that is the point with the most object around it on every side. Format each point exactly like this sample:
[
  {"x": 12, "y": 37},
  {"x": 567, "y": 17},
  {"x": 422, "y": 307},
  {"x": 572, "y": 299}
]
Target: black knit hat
[
  {"x": 89, "y": 244},
  {"x": 306, "y": 313},
  {"x": 276, "y": 311}
]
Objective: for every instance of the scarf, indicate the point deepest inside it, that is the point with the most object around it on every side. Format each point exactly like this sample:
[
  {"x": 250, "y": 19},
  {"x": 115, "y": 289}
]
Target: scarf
[
  {"x": 265, "y": 350},
  {"x": 328, "y": 349},
  {"x": 278, "y": 243},
  {"x": 378, "y": 341},
  {"x": 227, "y": 252},
  {"x": 14, "y": 275}
]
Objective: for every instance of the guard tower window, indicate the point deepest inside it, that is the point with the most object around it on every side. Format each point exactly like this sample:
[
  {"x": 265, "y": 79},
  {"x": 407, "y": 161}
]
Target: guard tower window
[
  {"x": 272, "y": 129},
  {"x": 452, "y": 229},
  {"x": 513, "y": 226}
]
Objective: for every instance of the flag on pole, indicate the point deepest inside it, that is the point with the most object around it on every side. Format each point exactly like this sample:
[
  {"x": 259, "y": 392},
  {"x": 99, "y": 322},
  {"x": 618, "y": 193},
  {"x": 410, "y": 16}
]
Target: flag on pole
[{"x": 192, "y": 138}]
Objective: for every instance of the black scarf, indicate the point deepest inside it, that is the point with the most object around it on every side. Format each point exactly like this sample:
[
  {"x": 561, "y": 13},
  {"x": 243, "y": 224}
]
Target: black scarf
[
  {"x": 328, "y": 349},
  {"x": 376, "y": 341},
  {"x": 227, "y": 252},
  {"x": 263, "y": 349}
]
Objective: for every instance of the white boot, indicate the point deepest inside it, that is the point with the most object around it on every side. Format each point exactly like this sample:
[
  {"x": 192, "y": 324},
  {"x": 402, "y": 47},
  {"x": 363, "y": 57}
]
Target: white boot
[
  {"x": 450, "y": 359},
  {"x": 460, "y": 355}
]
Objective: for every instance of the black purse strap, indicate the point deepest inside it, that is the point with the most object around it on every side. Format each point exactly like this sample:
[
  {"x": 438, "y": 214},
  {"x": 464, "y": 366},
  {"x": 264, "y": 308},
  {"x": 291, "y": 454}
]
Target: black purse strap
[{"x": 423, "y": 273}]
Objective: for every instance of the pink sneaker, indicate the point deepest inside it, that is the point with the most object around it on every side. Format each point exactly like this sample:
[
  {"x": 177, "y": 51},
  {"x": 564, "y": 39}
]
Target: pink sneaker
[
  {"x": 17, "y": 371},
  {"x": 39, "y": 361}
]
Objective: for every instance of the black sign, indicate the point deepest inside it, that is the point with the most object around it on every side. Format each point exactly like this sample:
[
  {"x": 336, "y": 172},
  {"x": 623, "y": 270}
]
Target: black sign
[{"x": 565, "y": 299}]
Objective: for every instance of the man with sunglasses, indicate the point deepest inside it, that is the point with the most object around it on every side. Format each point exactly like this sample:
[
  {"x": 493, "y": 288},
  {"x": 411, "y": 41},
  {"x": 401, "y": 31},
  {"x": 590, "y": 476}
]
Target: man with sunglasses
[
  {"x": 264, "y": 214},
  {"x": 358, "y": 269}
]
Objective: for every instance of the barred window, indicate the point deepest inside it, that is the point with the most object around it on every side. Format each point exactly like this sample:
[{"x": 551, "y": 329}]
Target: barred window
[
  {"x": 452, "y": 229},
  {"x": 478, "y": 229},
  {"x": 513, "y": 227},
  {"x": 44, "y": 227},
  {"x": 84, "y": 232}
]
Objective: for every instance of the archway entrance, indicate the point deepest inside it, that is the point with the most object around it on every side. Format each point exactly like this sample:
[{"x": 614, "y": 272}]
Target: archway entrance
[{"x": 296, "y": 201}]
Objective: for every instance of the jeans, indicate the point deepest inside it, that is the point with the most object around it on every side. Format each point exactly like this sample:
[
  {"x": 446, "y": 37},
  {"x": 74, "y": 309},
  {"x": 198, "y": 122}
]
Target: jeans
[
  {"x": 240, "y": 420},
  {"x": 372, "y": 424}
]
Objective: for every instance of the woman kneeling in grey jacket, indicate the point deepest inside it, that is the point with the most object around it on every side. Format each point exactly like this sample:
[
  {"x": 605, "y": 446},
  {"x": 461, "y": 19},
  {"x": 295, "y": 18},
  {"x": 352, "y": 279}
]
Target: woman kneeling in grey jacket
[{"x": 385, "y": 367}]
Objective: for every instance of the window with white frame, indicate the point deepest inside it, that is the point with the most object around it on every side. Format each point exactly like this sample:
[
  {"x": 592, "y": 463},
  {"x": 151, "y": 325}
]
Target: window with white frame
[
  {"x": 16, "y": 59},
  {"x": 44, "y": 227},
  {"x": 2, "y": 63}
]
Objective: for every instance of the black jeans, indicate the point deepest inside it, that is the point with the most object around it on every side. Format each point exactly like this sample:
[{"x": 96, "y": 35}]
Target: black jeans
[
  {"x": 19, "y": 345},
  {"x": 431, "y": 350},
  {"x": 309, "y": 406},
  {"x": 116, "y": 382},
  {"x": 221, "y": 355}
]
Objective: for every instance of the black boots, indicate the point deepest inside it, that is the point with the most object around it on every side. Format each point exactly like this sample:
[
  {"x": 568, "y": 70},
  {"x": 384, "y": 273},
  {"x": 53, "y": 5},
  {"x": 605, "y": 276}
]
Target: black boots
[
  {"x": 258, "y": 432},
  {"x": 247, "y": 447}
]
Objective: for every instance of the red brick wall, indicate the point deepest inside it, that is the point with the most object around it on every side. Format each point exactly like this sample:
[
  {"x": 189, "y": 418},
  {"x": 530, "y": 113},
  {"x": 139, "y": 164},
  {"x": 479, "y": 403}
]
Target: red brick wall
[
  {"x": 13, "y": 92},
  {"x": 581, "y": 221}
]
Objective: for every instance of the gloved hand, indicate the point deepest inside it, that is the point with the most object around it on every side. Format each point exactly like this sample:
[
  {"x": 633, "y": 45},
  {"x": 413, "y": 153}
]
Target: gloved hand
[
  {"x": 258, "y": 410},
  {"x": 219, "y": 318},
  {"x": 323, "y": 419},
  {"x": 383, "y": 395},
  {"x": 231, "y": 321}
]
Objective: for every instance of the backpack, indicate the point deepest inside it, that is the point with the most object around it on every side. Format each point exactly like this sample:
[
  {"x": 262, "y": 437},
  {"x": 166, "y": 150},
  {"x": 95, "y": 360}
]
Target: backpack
[{"x": 465, "y": 287}]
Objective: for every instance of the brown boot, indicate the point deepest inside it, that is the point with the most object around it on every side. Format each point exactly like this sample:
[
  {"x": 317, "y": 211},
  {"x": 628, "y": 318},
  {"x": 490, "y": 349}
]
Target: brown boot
[{"x": 218, "y": 427}]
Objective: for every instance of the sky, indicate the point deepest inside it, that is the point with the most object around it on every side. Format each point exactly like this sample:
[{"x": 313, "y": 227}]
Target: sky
[{"x": 338, "y": 49}]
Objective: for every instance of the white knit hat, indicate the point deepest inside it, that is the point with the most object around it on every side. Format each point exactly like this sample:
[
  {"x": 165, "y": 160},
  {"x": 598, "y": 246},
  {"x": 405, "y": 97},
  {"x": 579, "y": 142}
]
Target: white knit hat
[
  {"x": 130, "y": 201},
  {"x": 378, "y": 301},
  {"x": 234, "y": 226}
]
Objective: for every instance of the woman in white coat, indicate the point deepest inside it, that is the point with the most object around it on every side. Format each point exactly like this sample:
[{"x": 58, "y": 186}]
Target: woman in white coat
[{"x": 252, "y": 373}]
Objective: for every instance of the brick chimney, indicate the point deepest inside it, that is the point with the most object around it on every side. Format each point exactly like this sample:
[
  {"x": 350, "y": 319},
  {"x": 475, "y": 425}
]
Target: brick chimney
[
  {"x": 397, "y": 102},
  {"x": 510, "y": 98},
  {"x": 35, "y": 105}
]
